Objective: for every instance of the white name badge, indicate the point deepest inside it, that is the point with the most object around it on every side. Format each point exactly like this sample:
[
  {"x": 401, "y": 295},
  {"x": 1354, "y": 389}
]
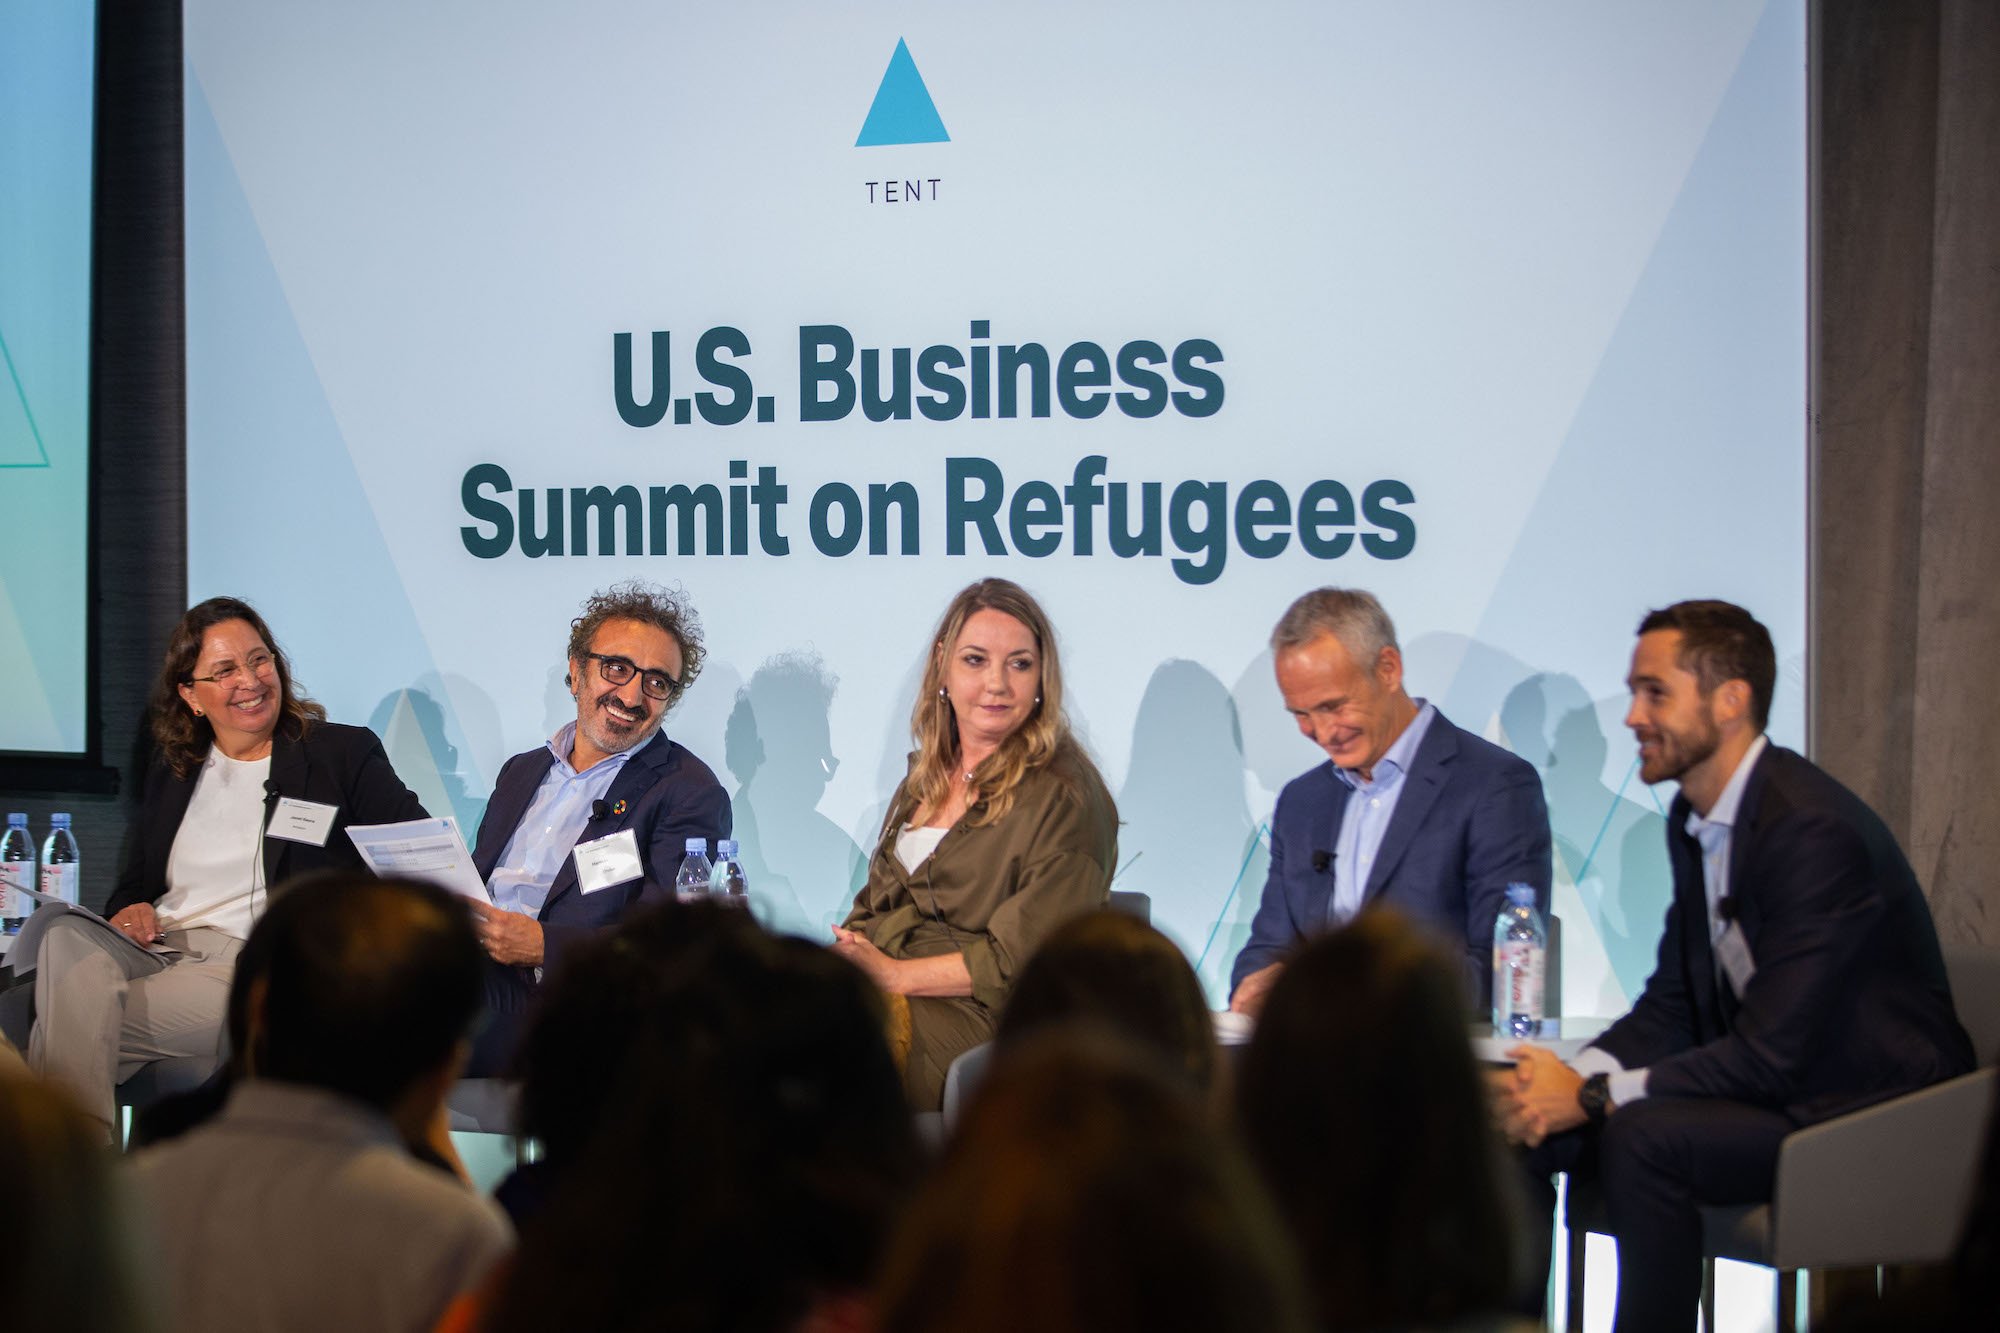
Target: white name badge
[
  {"x": 1733, "y": 952},
  {"x": 608, "y": 861},
  {"x": 302, "y": 821}
]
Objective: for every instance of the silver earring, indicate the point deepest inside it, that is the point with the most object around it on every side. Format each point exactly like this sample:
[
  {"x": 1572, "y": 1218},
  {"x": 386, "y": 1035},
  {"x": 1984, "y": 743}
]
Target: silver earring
[{"x": 942, "y": 694}]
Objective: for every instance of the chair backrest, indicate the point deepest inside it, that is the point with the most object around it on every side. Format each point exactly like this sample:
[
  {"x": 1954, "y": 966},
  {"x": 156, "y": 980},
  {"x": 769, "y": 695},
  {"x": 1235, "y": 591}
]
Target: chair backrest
[
  {"x": 964, "y": 1075},
  {"x": 1975, "y": 992}
]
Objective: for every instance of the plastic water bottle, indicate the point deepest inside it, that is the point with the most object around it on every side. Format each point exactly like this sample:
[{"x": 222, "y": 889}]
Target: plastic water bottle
[
  {"x": 17, "y": 871},
  {"x": 1520, "y": 953},
  {"x": 62, "y": 871},
  {"x": 728, "y": 885},
  {"x": 691, "y": 884}
]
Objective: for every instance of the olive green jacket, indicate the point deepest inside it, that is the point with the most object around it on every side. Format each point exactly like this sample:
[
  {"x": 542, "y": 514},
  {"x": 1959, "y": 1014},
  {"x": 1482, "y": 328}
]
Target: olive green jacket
[{"x": 994, "y": 893}]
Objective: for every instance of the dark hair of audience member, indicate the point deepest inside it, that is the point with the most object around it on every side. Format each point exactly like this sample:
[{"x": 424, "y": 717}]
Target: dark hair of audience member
[
  {"x": 67, "y": 1259},
  {"x": 752, "y": 1143},
  {"x": 177, "y": 1113},
  {"x": 1360, "y": 1102},
  {"x": 1111, "y": 968},
  {"x": 367, "y": 984},
  {"x": 1088, "y": 1189}
]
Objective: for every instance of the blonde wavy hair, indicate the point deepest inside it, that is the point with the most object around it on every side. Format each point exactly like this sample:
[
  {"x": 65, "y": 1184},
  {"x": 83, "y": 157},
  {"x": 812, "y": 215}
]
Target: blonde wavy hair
[{"x": 1042, "y": 738}]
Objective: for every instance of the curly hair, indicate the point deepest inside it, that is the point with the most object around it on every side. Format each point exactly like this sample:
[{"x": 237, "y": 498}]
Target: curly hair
[
  {"x": 183, "y": 738},
  {"x": 665, "y": 609}
]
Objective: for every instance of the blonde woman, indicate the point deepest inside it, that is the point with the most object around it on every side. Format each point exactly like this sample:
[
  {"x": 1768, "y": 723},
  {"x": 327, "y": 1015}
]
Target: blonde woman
[{"x": 1000, "y": 832}]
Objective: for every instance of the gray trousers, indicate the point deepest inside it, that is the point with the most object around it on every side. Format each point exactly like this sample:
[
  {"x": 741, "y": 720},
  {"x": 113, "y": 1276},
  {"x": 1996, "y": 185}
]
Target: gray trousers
[{"x": 104, "y": 1008}]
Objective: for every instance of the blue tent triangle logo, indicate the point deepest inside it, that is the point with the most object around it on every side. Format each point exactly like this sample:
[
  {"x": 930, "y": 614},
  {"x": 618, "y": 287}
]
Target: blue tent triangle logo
[{"x": 903, "y": 111}]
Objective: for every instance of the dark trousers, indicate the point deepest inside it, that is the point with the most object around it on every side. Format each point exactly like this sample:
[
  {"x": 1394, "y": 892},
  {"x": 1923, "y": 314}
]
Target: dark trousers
[
  {"x": 1657, "y": 1162},
  {"x": 510, "y": 997}
]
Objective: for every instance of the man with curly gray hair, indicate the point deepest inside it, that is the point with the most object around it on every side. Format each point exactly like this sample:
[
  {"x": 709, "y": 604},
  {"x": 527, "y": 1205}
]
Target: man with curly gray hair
[{"x": 584, "y": 828}]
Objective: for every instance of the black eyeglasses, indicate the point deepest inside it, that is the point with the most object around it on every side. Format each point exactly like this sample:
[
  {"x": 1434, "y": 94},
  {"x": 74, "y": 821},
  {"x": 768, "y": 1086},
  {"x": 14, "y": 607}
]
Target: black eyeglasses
[
  {"x": 618, "y": 670},
  {"x": 255, "y": 665}
]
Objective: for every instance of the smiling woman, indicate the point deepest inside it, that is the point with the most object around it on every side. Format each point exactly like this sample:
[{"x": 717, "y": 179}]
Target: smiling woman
[
  {"x": 235, "y": 743},
  {"x": 1001, "y": 831}
]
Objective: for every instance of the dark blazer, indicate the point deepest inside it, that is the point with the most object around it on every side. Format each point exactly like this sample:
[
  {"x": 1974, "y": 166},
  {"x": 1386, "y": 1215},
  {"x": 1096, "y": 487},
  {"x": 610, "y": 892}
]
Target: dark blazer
[
  {"x": 668, "y": 796},
  {"x": 1849, "y": 1004},
  {"x": 1470, "y": 821},
  {"x": 333, "y": 765}
]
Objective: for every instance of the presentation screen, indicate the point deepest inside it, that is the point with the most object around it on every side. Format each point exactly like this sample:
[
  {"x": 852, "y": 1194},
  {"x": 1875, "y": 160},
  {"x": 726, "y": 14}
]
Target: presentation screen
[
  {"x": 1168, "y": 312},
  {"x": 48, "y": 59}
]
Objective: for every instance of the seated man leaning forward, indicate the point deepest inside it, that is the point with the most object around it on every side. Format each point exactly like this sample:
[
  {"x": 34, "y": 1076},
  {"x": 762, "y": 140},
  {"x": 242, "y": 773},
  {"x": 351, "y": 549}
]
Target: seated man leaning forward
[
  {"x": 596, "y": 821},
  {"x": 1412, "y": 811},
  {"x": 1799, "y": 974},
  {"x": 299, "y": 1206}
]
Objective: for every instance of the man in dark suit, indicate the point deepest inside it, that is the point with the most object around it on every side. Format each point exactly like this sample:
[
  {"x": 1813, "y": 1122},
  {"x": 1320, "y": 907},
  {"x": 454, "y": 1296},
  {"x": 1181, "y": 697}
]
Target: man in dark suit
[
  {"x": 1799, "y": 975},
  {"x": 1411, "y": 811},
  {"x": 597, "y": 820}
]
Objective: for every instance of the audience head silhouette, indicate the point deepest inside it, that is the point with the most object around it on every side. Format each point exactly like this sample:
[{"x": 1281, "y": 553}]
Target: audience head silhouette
[
  {"x": 1087, "y": 1189},
  {"x": 735, "y": 1134},
  {"x": 368, "y": 985},
  {"x": 1361, "y": 1104},
  {"x": 1112, "y": 969},
  {"x": 67, "y": 1262}
]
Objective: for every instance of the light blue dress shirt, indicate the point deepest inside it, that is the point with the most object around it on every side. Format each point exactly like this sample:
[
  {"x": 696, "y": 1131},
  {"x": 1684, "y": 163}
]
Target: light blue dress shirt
[
  {"x": 1370, "y": 807},
  {"x": 551, "y": 825}
]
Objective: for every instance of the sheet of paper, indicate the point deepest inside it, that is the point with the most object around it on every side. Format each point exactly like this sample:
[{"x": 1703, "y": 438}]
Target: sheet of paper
[
  {"x": 28, "y": 944},
  {"x": 427, "y": 849}
]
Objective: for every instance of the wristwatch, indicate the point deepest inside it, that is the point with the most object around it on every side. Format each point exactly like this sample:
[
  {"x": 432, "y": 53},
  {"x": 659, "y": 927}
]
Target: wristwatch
[{"x": 1594, "y": 1097}]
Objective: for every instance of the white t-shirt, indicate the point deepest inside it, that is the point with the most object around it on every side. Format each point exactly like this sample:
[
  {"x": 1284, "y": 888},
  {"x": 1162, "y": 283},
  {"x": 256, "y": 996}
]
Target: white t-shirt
[
  {"x": 914, "y": 845},
  {"x": 214, "y": 870}
]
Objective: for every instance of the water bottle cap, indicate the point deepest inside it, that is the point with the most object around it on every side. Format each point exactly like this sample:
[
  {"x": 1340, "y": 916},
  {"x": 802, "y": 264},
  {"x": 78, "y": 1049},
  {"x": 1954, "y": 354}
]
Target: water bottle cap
[
  {"x": 21, "y": 820},
  {"x": 727, "y": 848},
  {"x": 697, "y": 845},
  {"x": 59, "y": 821},
  {"x": 1521, "y": 895}
]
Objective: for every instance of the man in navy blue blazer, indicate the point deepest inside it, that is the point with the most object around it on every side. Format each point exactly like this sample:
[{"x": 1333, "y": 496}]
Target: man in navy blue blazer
[
  {"x": 594, "y": 822},
  {"x": 1799, "y": 975},
  {"x": 1409, "y": 810}
]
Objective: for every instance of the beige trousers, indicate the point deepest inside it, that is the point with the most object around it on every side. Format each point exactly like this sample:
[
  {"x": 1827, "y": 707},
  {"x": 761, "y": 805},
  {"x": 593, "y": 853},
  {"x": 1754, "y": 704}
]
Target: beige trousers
[{"x": 104, "y": 1008}]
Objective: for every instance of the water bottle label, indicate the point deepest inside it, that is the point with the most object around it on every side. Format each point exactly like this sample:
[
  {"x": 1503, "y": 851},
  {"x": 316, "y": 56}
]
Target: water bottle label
[
  {"x": 16, "y": 875},
  {"x": 1517, "y": 965},
  {"x": 59, "y": 881}
]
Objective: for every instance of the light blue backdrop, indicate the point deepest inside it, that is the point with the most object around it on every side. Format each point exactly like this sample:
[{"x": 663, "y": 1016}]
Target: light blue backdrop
[
  {"x": 1542, "y": 263},
  {"x": 48, "y": 56}
]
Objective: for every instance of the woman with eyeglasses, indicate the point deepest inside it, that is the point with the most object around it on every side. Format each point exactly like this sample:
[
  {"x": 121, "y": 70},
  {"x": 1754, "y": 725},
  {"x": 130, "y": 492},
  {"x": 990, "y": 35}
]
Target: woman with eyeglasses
[
  {"x": 1001, "y": 831},
  {"x": 249, "y": 785}
]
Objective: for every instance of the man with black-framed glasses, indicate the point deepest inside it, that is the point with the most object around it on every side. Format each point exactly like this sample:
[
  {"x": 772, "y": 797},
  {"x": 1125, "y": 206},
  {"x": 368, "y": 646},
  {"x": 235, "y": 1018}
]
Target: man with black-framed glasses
[{"x": 596, "y": 821}]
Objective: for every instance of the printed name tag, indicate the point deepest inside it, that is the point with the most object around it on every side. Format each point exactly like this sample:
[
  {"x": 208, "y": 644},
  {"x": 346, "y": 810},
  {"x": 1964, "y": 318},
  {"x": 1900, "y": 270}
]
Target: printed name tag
[
  {"x": 302, "y": 821},
  {"x": 1733, "y": 952},
  {"x": 608, "y": 861}
]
